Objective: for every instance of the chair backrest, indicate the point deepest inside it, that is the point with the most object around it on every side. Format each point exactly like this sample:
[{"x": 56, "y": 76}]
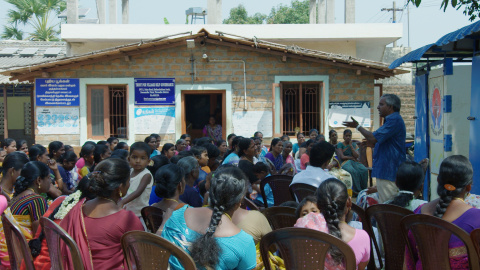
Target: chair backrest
[
  {"x": 247, "y": 203},
  {"x": 280, "y": 188},
  {"x": 302, "y": 248},
  {"x": 145, "y": 250},
  {"x": 432, "y": 236},
  {"x": 54, "y": 234},
  {"x": 388, "y": 218},
  {"x": 280, "y": 217},
  {"x": 475, "y": 236},
  {"x": 367, "y": 226},
  {"x": 153, "y": 217},
  {"x": 301, "y": 190},
  {"x": 17, "y": 246}
]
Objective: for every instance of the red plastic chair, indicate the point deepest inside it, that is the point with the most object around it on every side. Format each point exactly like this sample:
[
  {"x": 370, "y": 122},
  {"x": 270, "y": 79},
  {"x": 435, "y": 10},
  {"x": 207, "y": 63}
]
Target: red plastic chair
[
  {"x": 432, "y": 236},
  {"x": 55, "y": 235},
  {"x": 388, "y": 219},
  {"x": 302, "y": 248},
  {"x": 17, "y": 246},
  {"x": 148, "y": 251},
  {"x": 153, "y": 217},
  {"x": 280, "y": 185},
  {"x": 475, "y": 236},
  {"x": 280, "y": 217}
]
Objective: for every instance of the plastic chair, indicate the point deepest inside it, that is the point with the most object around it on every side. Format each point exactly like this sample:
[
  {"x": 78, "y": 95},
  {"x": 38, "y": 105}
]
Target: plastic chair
[
  {"x": 475, "y": 236},
  {"x": 432, "y": 235},
  {"x": 300, "y": 191},
  {"x": 280, "y": 217},
  {"x": 17, "y": 246},
  {"x": 145, "y": 250},
  {"x": 153, "y": 217},
  {"x": 303, "y": 248},
  {"x": 280, "y": 188},
  {"x": 388, "y": 222},
  {"x": 247, "y": 203},
  {"x": 367, "y": 226},
  {"x": 54, "y": 234}
]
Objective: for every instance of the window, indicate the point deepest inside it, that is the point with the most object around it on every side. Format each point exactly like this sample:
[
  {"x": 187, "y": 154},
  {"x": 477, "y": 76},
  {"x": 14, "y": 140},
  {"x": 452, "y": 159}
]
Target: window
[
  {"x": 107, "y": 111},
  {"x": 300, "y": 107}
]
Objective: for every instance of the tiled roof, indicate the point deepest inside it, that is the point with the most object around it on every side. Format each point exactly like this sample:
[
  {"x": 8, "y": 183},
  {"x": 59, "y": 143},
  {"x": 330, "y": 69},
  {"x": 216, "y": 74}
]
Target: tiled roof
[{"x": 16, "y": 60}]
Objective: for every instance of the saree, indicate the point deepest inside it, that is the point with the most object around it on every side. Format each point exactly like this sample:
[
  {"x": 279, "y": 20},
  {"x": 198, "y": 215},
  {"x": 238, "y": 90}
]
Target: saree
[
  {"x": 24, "y": 222},
  {"x": 277, "y": 161},
  {"x": 456, "y": 249},
  {"x": 214, "y": 133},
  {"x": 356, "y": 169},
  {"x": 74, "y": 225}
]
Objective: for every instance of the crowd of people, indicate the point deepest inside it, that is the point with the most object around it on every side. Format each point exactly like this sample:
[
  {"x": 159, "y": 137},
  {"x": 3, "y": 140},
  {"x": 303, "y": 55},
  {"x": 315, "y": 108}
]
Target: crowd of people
[{"x": 97, "y": 196}]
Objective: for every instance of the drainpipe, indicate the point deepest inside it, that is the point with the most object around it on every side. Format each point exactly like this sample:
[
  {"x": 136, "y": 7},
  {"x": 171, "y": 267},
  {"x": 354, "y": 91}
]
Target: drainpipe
[{"x": 244, "y": 78}]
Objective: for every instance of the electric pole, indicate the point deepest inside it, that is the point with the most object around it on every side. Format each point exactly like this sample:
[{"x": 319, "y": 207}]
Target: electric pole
[{"x": 394, "y": 10}]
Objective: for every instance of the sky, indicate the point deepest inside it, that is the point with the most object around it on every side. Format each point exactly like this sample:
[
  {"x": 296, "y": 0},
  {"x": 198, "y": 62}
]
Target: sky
[{"x": 427, "y": 23}]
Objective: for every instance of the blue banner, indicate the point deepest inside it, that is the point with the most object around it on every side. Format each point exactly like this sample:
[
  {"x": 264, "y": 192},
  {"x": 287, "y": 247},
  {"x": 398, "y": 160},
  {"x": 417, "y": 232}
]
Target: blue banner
[
  {"x": 57, "y": 92},
  {"x": 155, "y": 91}
]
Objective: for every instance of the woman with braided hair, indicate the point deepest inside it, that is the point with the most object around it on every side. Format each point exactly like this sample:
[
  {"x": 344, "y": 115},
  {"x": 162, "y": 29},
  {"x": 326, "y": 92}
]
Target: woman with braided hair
[
  {"x": 208, "y": 233},
  {"x": 455, "y": 180},
  {"x": 334, "y": 204}
]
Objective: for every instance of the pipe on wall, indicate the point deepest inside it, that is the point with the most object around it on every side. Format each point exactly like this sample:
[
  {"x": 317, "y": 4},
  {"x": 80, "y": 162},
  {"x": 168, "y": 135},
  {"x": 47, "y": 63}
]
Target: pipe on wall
[{"x": 244, "y": 78}]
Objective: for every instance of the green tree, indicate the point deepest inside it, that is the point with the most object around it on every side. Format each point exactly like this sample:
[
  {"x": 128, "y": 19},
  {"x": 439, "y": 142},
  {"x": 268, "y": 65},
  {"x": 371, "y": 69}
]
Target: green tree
[
  {"x": 471, "y": 7},
  {"x": 297, "y": 13},
  {"x": 36, "y": 13},
  {"x": 239, "y": 15}
]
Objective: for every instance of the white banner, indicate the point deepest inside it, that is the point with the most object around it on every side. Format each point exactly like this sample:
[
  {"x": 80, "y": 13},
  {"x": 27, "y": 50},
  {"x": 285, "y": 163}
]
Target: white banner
[{"x": 59, "y": 120}]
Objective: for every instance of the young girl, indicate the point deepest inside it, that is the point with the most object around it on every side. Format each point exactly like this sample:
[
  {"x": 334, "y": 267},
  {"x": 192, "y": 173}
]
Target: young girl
[
  {"x": 200, "y": 153},
  {"x": 22, "y": 146},
  {"x": 334, "y": 204},
  {"x": 140, "y": 179},
  {"x": 66, "y": 163},
  {"x": 55, "y": 150},
  {"x": 306, "y": 206},
  {"x": 9, "y": 145},
  {"x": 86, "y": 159},
  {"x": 112, "y": 141}
]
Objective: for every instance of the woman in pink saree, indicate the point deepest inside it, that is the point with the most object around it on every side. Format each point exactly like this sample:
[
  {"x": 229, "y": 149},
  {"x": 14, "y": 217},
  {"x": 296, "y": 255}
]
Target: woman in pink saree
[{"x": 97, "y": 225}]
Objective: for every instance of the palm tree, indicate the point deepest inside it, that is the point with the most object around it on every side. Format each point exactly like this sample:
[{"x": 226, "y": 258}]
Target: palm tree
[{"x": 37, "y": 14}]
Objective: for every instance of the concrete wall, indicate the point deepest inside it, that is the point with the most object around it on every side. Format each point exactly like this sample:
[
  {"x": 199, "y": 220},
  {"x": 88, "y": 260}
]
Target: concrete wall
[{"x": 261, "y": 70}]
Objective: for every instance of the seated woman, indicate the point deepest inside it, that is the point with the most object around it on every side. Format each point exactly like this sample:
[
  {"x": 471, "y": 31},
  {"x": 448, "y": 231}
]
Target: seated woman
[
  {"x": 191, "y": 169},
  {"x": 56, "y": 212},
  {"x": 455, "y": 180},
  {"x": 27, "y": 205},
  {"x": 180, "y": 146},
  {"x": 409, "y": 181},
  {"x": 208, "y": 233},
  {"x": 169, "y": 185},
  {"x": 334, "y": 204},
  {"x": 101, "y": 219},
  {"x": 347, "y": 152},
  {"x": 168, "y": 150},
  {"x": 333, "y": 137},
  {"x": 11, "y": 169},
  {"x": 288, "y": 161},
  {"x": 275, "y": 153}
]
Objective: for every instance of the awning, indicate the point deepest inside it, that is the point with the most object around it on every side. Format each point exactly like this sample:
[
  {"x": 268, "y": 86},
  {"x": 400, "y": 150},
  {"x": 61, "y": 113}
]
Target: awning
[{"x": 443, "y": 47}]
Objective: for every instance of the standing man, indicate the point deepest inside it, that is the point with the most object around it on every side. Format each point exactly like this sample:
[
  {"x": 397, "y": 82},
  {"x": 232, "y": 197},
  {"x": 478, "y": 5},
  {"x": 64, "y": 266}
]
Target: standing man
[{"x": 389, "y": 142}]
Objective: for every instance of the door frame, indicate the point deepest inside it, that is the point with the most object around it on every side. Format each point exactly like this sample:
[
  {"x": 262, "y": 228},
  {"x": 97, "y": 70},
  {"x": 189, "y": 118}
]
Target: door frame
[
  {"x": 206, "y": 92},
  {"x": 201, "y": 89}
]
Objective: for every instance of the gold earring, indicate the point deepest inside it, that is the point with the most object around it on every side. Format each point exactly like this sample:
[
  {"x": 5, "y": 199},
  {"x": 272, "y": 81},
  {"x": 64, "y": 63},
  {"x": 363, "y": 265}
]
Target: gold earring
[
  {"x": 121, "y": 195},
  {"x": 39, "y": 186}
]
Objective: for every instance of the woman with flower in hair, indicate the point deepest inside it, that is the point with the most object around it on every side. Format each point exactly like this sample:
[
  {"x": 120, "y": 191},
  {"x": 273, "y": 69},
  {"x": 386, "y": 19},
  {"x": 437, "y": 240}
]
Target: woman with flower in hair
[
  {"x": 97, "y": 225},
  {"x": 215, "y": 242},
  {"x": 455, "y": 180}
]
